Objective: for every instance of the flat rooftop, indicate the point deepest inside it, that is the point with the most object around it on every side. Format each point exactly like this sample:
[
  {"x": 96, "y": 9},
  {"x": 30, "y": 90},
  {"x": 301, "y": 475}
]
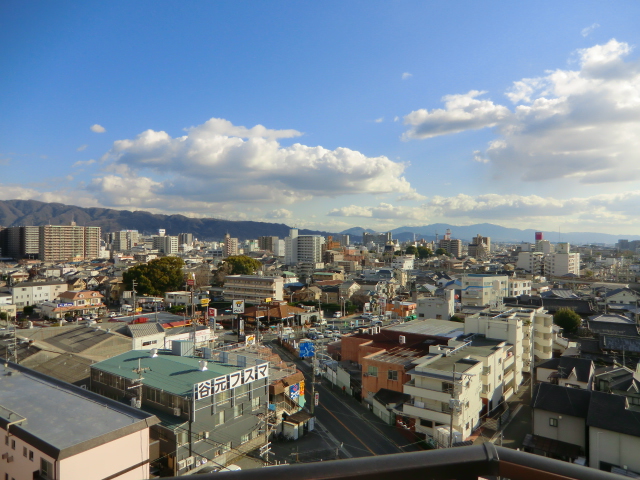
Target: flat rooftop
[
  {"x": 171, "y": 373},
  {"x": 437, "y": 328},
  {"x": 62, "y": 415}
]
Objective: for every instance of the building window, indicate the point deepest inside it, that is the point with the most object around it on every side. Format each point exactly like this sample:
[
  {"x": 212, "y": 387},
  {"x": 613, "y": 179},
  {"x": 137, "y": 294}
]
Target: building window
[
  {"x": 255, "y": 403},
  {"x": 223, "y": 396},
  {"x": 24, "y": 451},
  {"x": 392, "y": 375},
  {"x": 372, "y": 371},
  {"x": 226, "y": 447},
  {"x": 150, "y": 342},
  {"x": 237, "y": 410},
  {"x": 13, "y": 444},
  {"x": 31, "y": 455},
  {"x": 6, "y": 440},
  {"x": 553, "y": 422},
  {"x": 244, "y": 438},
  {"x": 46, "y": 468},
  {"x": 219, "y": 417}
]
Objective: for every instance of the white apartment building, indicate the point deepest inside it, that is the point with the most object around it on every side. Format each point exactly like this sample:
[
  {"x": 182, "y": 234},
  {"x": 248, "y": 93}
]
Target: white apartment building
[
  {"x": 519, "y": 286},
  {"x": 231, "y": 246},
  {"x": 303, "y": 248},
  {"x": 403, "y": 262},
  {"x": 531, "y": 262},
  {"x": 166, "y": 244},
  {"x": 124, "y": 240},
  {"x": 529, "y": 330},
  {"x": 253, "y": 288},
  {"x": 562, "y": 262},
  {"x": 479, "y": 289},
  {"x": 32, "y": 293},
  {"x": 440, "y": 307},
  {"x": 544, "y": 246}
]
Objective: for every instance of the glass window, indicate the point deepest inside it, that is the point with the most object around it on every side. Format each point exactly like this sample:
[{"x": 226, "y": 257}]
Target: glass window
[
  {"x": 237, "y": 410},
  {"x": 372, "y": 371},
  {"x": 46, "y": 468},
  {"x": 31, "y": 455},
  {"x": 392, "y": 375},
  {"x": 553, "y": 422},
  {"x": 219, "y": 417},
  {"x": 255, "y": 403},
  {"x": 244, "y": 438},
  {"x": 24, "y": 451}
]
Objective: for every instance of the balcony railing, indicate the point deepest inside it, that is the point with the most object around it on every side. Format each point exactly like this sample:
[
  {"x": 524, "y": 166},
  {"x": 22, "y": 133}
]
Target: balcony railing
[{"x": 463, "y": 463}]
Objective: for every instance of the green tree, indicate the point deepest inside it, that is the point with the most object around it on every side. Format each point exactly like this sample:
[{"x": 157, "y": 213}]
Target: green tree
[
  {"x": 567, "y": 319},
  {"x": 411, "y": 250},
  {"x": 455, "y": 318},
  {"x": 424, "y": 252},
  {"x": 441, "y": 251},
  {"x": 235, "y": 265},
  {"x": 156, "y": 277}
]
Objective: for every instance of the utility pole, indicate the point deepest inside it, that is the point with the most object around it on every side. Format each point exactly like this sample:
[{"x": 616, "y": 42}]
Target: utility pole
[
  {"x": 452, "y": 404},
  {"x": 313, "y": 385},
  {"x": 134, "y": 284}
]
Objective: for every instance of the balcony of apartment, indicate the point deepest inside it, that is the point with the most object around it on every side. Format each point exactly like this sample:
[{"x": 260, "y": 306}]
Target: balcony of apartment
[
  {"x": 420, "y": 410},
  {"x": 508, "y": 377},
  {"x": 509, "y": 362},
  {"x": 461, "y": 463},
  {"x": 486, "y": 375},
  {"x": 442, "y": 394},
  {"x": 544, "y": 323}
]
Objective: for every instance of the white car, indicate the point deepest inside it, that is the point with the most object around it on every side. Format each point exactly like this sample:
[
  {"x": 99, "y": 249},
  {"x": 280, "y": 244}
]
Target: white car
[
  {"x": 320, "y": 335},
  {"x": 328, "y": 332},
  {"x": 337, "y": 315}
]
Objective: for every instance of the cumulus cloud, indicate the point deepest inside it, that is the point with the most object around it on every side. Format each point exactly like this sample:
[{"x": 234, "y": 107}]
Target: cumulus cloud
[
  {"x": 218, "y": 161},
  {"x": 97, "y": 128},
  {"x": 582, "y": 124},
  {"x": 406, "y": 75},
  {"x": 585, "y": 32},
  {"x": 461, "y": 112},
  {"x": 279, "y": 213},
  {"x": 382, "y": 211},
  {"x": 84, "y": 163},
  {"x": 413, "y": 196}
]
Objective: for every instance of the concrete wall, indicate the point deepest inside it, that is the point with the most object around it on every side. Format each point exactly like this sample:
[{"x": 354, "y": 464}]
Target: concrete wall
[
  {"x": 570, "y": 429},
  {"x": 615, "y": 448}
]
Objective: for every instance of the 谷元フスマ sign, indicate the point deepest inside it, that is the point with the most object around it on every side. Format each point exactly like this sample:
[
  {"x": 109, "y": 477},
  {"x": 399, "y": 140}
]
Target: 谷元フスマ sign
[{"x": 220, "y": 384}]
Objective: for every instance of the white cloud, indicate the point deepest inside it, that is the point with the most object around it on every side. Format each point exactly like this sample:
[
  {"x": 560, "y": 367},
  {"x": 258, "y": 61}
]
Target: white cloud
[
  {"x": 585, "y": 32},
  {"x": 82, "y": 163},
  {"x": 412, "y": 196},
  {"x": 406, "y": 75},
  {"x": 461, "y": 112},
  {"x": 384, "y": 211},
  {"x": 98, "y": 128},
  {"x": 81, "y": 148},
  {"x": 379, "y": 120},
  {"x": 217, "y": 161},
  {"x": 279, "y": 213},
  {"x": 577, "y": 124}
]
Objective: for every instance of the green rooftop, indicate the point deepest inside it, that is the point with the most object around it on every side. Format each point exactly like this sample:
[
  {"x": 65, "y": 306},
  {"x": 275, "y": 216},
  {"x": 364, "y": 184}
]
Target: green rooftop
[{"x": 167, "y": 372}]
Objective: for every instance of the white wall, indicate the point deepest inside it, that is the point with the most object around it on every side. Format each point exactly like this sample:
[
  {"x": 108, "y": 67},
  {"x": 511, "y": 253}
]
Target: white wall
[{"x": 616, "y": 448}]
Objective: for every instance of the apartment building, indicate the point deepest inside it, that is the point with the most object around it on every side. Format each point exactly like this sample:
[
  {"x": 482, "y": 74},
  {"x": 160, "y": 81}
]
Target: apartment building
[
  {"x": 231, "y": 246},
  {"x": 68, "y": 243},
  {"x": 403, "y": 262},
  {"x": 213, "y": 411},
  {"x": 480, "y": 247},
  {"x": 519, "y": 286},
  {"x": 166, "y": 244},
  {"x": 562, "y": 262},
  {"x": 20, "y": 242},
  {"x": 441, "y": 306},
  {"x": 531, "y": 262},
  {"x": 268, "y": 243},
  {"x": 55, "y": 430},
  {"x": 32, "y": 293},
  {"x": 303, "y": 248},
  {"x": 379, "y": 239},
  {"x": 483, "y": 290},
  {"x": 124, "y": 240},
  {"x": 253, "y": 288}
]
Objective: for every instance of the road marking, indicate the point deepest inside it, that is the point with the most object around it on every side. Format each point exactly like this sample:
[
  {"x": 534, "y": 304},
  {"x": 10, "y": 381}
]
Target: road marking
[{"x": 348, "y": 430}]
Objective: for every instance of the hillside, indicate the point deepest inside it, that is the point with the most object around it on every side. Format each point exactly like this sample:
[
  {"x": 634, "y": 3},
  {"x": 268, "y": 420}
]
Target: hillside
[{"x": 31, "y": 212}]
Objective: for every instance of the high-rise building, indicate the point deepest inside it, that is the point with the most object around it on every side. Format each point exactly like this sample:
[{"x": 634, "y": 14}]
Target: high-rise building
[
  {"x": 380, "y": 239},
  {"x": 124, "y": 240},
  {"x": 68, "y": 243},
  {"x": 230, "y": 246},
  {"x": 166, "y": 244},
  {"x": 480, "y": 246},
  {"x": 451, "y": 245},
  {"x": 268, "y": 243},
  {"x": 185, "y": 239},
  {"x": 303, "y": 248}
]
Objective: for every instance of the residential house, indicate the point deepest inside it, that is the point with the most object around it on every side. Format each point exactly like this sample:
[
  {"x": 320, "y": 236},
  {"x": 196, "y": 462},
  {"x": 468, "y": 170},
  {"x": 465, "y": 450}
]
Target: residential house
[
  {"x": 567, "y": 372},
  {"x": 32, "y": 293}
]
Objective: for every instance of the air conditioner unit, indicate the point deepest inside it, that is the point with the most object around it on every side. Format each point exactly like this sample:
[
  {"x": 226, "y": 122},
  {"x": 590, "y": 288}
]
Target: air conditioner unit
[
  {"x": 190, "y": 461},
  {"x": 402, "y": 339},
  {"x": 182, "y": 464},
  {"x": 419, "y": 404},
  {"x": 206, "y": 434},
  {"x": 177, "y": 411}
]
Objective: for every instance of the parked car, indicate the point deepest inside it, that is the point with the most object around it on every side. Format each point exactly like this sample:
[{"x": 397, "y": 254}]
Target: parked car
[
  {"x": 337, "y": 315},
  {"x": 320, "y": 335}
]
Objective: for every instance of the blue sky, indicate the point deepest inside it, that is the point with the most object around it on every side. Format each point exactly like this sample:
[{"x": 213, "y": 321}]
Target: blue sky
[{"x": 327, "y": 115}]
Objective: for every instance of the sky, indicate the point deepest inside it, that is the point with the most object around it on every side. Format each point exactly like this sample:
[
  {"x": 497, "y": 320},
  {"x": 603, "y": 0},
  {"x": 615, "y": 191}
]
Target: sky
[{"x": 327, "y": 115}]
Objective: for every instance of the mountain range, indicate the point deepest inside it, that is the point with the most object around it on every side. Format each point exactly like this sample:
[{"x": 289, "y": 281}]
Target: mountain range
[{"x": 32, "y": 212}]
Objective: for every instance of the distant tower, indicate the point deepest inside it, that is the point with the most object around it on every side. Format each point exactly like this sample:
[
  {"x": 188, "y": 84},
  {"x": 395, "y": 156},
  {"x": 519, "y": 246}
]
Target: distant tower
[{"x": 539, "y": 236}]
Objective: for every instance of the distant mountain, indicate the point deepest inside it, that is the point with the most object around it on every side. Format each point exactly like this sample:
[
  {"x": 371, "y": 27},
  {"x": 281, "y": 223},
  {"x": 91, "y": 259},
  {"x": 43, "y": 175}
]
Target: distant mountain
[
  {"x": 31, "y": 212},
  {"x": 504, "y": 234},
  {"x": 357, "y": 231}
]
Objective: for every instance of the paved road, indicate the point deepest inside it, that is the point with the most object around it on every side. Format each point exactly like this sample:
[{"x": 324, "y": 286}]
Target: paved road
[{"x": 347, "y": 425}]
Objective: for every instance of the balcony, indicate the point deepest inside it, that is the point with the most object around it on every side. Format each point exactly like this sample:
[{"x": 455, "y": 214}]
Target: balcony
[
  {"x": 426, "y": 413},
  {"x": 509, "y": 361},
  {"x": 426, "y": 393},
  {"x": 461, "y": 463}
]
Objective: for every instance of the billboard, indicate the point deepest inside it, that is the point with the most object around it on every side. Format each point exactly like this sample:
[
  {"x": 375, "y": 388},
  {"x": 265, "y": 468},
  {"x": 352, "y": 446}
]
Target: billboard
[
  {"x": 238, "y": 306},
  {"x": 539, "y": 236},
  {"x": 220, "y": 384},
  {"x": 307, "y": 349},
  {"x": 250, "y": 340},
  {"x": 294, "y": 391}
]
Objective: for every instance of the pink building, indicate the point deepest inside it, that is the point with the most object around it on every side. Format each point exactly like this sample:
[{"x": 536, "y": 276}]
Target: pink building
[{"x": 57, "y": 431}]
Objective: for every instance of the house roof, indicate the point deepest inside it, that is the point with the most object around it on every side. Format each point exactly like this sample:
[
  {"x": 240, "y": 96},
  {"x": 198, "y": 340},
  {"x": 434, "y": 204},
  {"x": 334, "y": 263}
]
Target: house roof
[
  {"x": 565, "y": 365},
  {"x": 81, "y": 339},
  {"x": 609, "y": 412},
  {"x": 609, "y": 328},
  {"x": 391, "y": 397},
  {"x": 137, "y": 330},
  {"x": 620, "y": 343},
  {"x": 75, "y": 295},
  {"x": 561, "y": 400}
]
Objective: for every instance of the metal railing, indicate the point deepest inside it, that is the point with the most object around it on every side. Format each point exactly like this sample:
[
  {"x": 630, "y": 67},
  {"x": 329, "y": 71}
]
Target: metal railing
[{"x": 462, "y": 463}]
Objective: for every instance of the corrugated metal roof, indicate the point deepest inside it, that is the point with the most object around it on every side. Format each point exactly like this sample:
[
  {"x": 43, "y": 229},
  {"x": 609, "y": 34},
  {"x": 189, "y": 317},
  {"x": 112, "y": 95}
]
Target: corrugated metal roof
[
  {"x": 171, "y": 373},
  {"x": 144, "y": 329}
]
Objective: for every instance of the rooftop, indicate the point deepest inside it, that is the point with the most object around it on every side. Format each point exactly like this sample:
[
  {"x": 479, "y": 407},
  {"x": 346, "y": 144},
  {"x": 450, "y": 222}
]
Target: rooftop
[
  {"x": 38, "y": 398},
  {"x": 439, "y": 328},
  {"x": 168, "y": 372}
]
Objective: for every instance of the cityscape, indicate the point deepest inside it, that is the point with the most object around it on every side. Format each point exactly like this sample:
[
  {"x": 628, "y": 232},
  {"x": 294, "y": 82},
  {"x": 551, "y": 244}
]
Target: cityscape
[{"x": 337, "y": 240}]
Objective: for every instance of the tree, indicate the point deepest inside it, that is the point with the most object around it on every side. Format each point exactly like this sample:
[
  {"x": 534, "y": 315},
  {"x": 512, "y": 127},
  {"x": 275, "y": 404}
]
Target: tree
[
  {"x": 411, "y": 250},
  {"x": 567, "y": 319},
  {"x": 455, "y": 318},
  {"x": 441, "y": 251},
  {"x": 424, "y": 252},
  {"x": 156, "y": 277},
  {"x": 235, "y": 265}
]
